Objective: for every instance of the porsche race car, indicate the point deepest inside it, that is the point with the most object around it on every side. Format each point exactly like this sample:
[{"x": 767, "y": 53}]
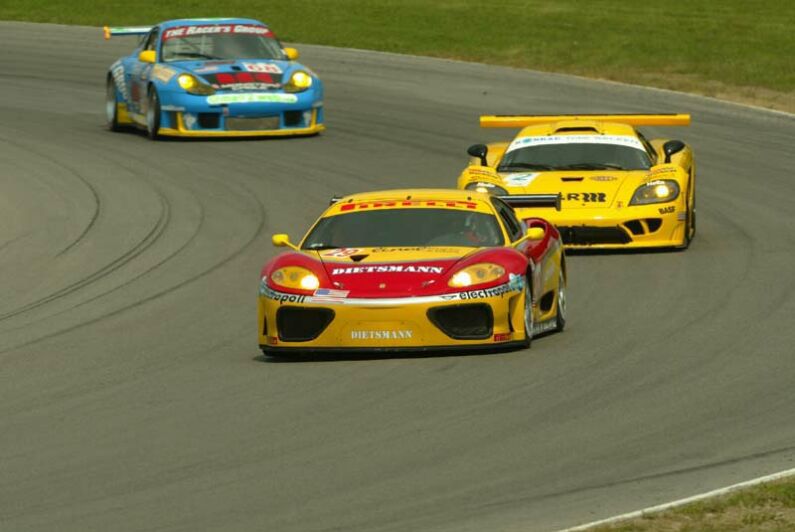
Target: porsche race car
[
  {"x": 619, "y": 189},
  {"x": 405, "y": 270},
  {"x": 212, "y": 78}
]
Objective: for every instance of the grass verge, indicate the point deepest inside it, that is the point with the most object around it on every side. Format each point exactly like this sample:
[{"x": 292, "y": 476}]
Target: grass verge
[
  {"x": 737, "y": 50},
  {"x": 767, "y": 507}
]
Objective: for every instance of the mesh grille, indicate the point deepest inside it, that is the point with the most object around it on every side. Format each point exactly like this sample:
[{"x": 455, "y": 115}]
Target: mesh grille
[
  {"x": 585, "y": 235},
  {"x": 252, "y": 124},
  {"x": 296, "y": 324},
  {"x": 463, "y": 322}
]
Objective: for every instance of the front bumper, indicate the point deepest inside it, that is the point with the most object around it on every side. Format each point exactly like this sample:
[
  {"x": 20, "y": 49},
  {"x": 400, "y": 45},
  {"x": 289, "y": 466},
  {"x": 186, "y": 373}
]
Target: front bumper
[
  {"x": 636, "y": 226},
  {"x": 305, "y": 323},
  {"x": 241, "y": 115}
]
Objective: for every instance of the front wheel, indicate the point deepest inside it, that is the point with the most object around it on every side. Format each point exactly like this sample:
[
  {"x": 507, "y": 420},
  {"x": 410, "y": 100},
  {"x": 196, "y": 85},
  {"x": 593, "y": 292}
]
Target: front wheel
[
  {"x": 153, "y": 115},
  {"x": 560, "y": 317},
  {"x": 528, "y": 314},
  {"x": 111, "y": 106}
]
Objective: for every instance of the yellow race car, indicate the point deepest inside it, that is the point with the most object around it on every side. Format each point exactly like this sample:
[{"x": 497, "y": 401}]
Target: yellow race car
[
  {"x": 619, "y": 190},
  {"x": 422, "y": 269}
]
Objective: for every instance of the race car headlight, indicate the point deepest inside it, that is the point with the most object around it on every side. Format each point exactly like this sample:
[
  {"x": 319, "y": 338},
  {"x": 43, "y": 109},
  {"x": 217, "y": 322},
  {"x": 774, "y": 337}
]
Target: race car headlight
[
  {"x": 299, "y": 81},
  {"x": 490, "y": 188},
  {"x": 193, "y": 85},
  {"x": 481, "y": 273},
  {"x": 295, "y": 277},
  {"x": 655, "y": 192}
]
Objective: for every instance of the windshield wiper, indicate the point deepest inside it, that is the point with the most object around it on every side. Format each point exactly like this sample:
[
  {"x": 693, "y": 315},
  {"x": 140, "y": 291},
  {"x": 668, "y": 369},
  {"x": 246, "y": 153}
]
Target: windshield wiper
[
  {"x": 523, "y": 166},
  {"x": 196, "y": 54},
  {"x": 320, "y": 246},
  {"x": 591, "y": 166}
]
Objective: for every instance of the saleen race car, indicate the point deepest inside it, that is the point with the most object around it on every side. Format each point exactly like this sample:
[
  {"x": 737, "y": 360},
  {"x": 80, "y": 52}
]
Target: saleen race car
[
  {"x": 211, "y": 78},
  {"x": 415, "y": 270},
  {"x": 619, "y": 189}
]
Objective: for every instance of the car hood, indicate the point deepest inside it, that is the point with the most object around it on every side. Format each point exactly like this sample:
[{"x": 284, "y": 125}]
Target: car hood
[
  {"x": 579, "y": 189},
  {"x": 239, "y": 75},
  {"x": 392, "y": 271}
]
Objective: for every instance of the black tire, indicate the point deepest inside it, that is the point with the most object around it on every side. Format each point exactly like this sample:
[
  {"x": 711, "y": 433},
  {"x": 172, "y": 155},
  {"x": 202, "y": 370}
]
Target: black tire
[
  {"x": 111, "y": 106},
  {"x": 690, "y": 221},
  {"x": 560, "y": 316},
  {"x": 153, "y": 114},
  {"x": 528, "y": 314}
]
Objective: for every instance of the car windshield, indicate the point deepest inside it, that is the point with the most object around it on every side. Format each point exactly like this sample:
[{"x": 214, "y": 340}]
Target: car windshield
[
  {"x": 413, "y": 227},
  {"x": 219, "y": 42},
  {"x": 575, "y": 156}
]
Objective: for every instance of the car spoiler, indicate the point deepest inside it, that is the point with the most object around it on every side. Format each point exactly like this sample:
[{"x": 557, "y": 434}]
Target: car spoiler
[
  {"x": 629, "y": 119},
  {"x": 122, "y": 31},
  {"x": 523, "y": 201}
]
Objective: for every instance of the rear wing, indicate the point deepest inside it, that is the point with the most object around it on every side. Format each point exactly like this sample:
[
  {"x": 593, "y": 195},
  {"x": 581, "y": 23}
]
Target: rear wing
[
  {"x": 524, "y": 201},
  {"x": 123, "y": 31},
  {"x": 517, "y": 121}
]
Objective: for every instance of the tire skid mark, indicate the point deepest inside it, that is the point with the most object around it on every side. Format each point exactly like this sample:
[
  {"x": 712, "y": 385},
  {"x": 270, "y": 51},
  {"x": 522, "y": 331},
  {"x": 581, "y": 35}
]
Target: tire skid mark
[
  {"x": 145, "y": 243},
  {"x": 74, "y": 173}
]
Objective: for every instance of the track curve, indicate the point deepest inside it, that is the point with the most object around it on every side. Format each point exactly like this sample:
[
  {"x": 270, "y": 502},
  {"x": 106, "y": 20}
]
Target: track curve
[{"x": 132, "y": 396}]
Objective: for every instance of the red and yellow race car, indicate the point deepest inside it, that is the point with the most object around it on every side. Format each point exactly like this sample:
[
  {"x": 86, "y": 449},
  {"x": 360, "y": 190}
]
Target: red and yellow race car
[
  {"x": 415, "y": 270},
  {"x": 619, "y": 189}
]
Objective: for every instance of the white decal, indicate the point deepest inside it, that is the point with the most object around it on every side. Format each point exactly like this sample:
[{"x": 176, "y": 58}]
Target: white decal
[
  {"x": 184, "y": 31},
  {"x": 520, "y": 180},
  {"x": 163, "y": 73},
  {"x": 220, "y": 99},
  {"x": 118, "y": 77},
  {"x": 342, "y": 252},
  {"x": 381, "y": 335},
  {"x": 619, "y": 140},
  {"x": 189, "y": 119},
  {"x": 270, "y": 68},
  {"x": 330, "y": 293},
  {"x": 394, "y": 268}
]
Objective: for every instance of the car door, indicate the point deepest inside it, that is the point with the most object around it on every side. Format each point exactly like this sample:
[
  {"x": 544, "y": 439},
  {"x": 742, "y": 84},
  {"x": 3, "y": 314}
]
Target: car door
[{"x": 138, "y": 73}]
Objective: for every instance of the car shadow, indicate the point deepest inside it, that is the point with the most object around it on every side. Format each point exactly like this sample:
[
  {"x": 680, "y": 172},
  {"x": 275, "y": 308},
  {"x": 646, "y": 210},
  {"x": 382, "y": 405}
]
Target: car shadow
[{"x": 363, "y": 356}]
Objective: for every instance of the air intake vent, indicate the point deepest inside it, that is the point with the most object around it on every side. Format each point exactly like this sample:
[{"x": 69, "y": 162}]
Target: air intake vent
[{"x": 463, "y": 322}]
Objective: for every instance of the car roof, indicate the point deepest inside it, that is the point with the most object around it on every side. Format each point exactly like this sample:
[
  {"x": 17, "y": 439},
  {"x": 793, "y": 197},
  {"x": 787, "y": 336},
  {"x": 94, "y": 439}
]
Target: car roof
[{"x": 208, "y": 21}]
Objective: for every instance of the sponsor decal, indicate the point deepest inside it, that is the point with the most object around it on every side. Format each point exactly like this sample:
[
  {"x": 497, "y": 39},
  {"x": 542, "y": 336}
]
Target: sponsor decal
[
  {"x": 163, "y": 73},
  {"x": 603, "y": 178},
  {"x": 664, "y": 170},
  {"x": 618, "y": 140},
  {"x": 342, "y": 252},
  {"x": 117, "y": 71},
  {"x": 520, "y": 180},
  {"x": 272, "y": 340},
  {"x": 667, "y": 210},
  {"x": 415, "y": 249},
  {"x": 586, "y": 197},
  {"x": 407, "y": 203},
  {"x": 544, "y": 326},
  {"x": 221, "y": 99},
  {"x": 189, "y": 120},
  {"x": 269, "y": 68},
  {"x": 244, "y": 80},
  {"x": 486, "y": 292},
  {"x": 186, "y": 31},
  {"x": 682, "y": 216},
  {"x": 388, "y": 268},
  {"x": 503, "y": 337},
  {"x": 382, "y": 335},
  {"x": 329, "y": 293},
  {"x": 281, "y": 297},
  {"x": 516, "y": 281},
  {"x": 171, "y": 108},
  {"x": 480, "y": 171}
]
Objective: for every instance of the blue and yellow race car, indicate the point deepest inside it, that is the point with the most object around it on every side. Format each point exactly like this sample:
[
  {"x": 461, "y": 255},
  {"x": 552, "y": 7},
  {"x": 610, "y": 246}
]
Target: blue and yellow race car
[{"x": 210, "y": 78}]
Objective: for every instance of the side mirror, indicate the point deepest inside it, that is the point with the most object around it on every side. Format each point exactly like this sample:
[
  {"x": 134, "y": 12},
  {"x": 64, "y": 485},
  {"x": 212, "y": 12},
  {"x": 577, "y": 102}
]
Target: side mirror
[
  {"x": 291, "y": 53},
  {"x": 147, "y": 56},
  {"x": 281, "y": 240},
  {"x": 671, "y": 147},
  {"x": 536, "y": 233},
  {"x": 479, "y": 151}
]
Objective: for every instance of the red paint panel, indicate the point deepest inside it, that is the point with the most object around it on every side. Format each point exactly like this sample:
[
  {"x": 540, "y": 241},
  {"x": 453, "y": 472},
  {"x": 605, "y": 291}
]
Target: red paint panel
[
  {"x": 263, "y": 77},
  {"x": 225, "y": 79},
  {"x": 245, "y": 77}
]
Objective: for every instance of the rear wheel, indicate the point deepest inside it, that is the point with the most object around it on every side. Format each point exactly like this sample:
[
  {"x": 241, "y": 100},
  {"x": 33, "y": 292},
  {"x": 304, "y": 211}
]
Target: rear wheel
[
  {"x": 528, "y": 314},
  {"x": 111, "y": 105},
  {"x": 690, "y": 221},
  {"x": 560, "y": 317},
  {"x": 153, "y": 114}
]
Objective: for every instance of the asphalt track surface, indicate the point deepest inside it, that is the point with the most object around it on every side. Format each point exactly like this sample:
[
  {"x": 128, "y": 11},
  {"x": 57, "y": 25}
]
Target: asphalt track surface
[{"x": 133, "y": 396}]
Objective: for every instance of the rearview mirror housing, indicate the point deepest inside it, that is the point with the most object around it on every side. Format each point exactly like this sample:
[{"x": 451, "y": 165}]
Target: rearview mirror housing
[
  {"x": 291, "y": 53},
  {"x": 147, "y": 56},
  {"x": 479, "y": 151},
  {"x": 535, "y": 233},
  {"x": 281, "y": 240},
  {"x": 672, "y": 147}
]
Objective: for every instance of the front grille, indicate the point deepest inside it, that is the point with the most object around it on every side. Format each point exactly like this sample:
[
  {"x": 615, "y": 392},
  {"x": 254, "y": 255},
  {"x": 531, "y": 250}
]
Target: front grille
[
  {"x": 463, "y": 322},
  {"x": 585, "y": 235},
  {"x": 252, "y": 124},
  {"x": 296, "y": 324},
  {"x": 209, "y": 120}
]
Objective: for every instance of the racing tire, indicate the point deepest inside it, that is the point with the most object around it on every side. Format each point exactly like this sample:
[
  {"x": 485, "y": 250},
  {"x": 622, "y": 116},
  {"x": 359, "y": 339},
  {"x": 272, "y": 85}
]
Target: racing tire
[
  {"x": 560, "y": 315},
  {"x": 528, "y": 314},
  {"x": 153, "y": 114},
  {"x": 690, "y": 223},
  {"x": 112, "y": 106}
]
